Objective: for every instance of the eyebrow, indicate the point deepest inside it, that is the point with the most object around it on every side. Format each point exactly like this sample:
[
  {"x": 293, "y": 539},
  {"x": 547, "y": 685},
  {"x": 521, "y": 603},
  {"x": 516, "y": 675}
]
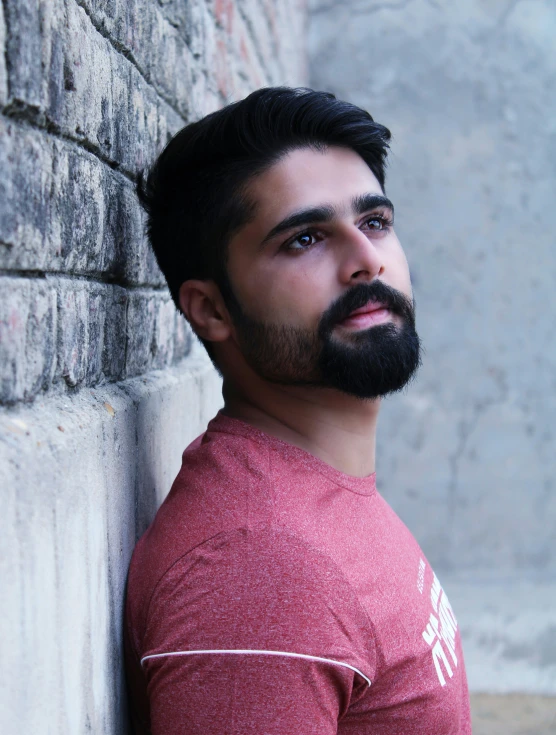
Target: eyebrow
[
  {"x": 371, "y": 201},
  {"x": 326, "y": 213}
]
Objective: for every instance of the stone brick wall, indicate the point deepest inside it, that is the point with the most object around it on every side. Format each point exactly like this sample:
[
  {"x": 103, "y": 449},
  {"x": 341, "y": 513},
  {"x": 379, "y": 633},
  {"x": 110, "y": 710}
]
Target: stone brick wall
[
  {"x": 90, "y": 91},
  {"x": 101, "y": 381}
]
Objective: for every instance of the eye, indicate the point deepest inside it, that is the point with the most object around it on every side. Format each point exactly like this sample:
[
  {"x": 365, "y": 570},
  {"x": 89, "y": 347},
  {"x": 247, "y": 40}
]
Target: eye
[
  {"x": 378, "y": 223},
  {"x": 303, "y": 241}
]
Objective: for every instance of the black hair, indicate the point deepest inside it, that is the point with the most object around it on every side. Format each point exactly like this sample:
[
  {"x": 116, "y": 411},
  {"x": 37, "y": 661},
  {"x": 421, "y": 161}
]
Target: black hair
[{"x": 194, "y": 193}]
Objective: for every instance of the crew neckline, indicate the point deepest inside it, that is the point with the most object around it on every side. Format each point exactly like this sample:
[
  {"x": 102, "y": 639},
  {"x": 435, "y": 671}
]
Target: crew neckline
[{"x": 228, "y": 425}]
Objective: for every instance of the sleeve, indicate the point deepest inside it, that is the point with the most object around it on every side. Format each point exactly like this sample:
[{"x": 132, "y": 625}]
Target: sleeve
[{"x": 254, "y": 633}]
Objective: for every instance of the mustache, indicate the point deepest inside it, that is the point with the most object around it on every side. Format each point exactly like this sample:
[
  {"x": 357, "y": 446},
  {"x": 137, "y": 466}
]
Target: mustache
[{"x": 360, "y": 295}]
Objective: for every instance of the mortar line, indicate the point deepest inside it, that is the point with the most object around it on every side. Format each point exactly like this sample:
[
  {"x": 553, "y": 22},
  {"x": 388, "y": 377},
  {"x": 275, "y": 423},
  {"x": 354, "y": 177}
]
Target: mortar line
[{"x": 85, "y": 277}]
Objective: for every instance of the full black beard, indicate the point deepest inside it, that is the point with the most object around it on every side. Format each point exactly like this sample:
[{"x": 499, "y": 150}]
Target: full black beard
[{"x": 367, "y": 364}]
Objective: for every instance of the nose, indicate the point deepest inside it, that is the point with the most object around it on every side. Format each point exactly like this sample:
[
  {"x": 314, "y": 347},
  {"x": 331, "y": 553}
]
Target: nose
[{"x": 361, "y": 260}]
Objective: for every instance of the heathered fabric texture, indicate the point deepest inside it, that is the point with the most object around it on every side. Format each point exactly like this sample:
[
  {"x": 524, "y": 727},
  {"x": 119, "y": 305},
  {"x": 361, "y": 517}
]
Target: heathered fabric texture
[{"x": 273, "y": 594}]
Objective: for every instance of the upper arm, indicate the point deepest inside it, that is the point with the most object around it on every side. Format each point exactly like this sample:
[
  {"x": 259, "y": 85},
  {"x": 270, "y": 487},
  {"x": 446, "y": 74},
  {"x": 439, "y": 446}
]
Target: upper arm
[{"x": 253, "y": 632}]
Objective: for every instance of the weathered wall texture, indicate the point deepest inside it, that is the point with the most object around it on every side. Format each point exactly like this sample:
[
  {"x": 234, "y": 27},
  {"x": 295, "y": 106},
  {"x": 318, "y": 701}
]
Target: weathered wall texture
[
  {"x": 81, "y": 479},
  {"x": 90, "y": 91},
  {"x": 90, "y": 437},
  {"x": 467, "y": 455}
]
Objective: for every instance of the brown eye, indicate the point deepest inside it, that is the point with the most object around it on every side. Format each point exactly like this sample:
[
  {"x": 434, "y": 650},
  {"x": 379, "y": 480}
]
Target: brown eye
[
  {"x": 375, "y": 223},
  {"x": 301, "y": 242}
]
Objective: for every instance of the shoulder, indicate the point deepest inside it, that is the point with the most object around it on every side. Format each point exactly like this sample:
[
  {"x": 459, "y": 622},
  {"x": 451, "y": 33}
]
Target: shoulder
[{"x": 223, "y": 484}]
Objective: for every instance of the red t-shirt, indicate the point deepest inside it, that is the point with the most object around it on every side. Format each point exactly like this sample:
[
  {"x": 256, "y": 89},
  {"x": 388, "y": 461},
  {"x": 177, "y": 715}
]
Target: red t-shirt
[{"x": 273, "y": 594}]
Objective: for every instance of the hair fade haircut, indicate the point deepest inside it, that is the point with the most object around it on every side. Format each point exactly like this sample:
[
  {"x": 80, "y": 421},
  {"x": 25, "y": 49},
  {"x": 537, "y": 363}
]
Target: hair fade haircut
[{"x": 194, "y": 194}]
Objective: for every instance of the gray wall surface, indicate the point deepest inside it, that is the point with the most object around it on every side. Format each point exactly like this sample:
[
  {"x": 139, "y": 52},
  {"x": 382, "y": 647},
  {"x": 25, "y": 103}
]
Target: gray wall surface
[
  {"x": 102, "y": 385},
  {"x": 467, "y": 455}
]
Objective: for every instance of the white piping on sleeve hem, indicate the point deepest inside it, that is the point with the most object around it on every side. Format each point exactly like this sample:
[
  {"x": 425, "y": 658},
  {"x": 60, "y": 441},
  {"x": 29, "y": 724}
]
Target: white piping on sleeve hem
[{"x": 263, "y": 653}]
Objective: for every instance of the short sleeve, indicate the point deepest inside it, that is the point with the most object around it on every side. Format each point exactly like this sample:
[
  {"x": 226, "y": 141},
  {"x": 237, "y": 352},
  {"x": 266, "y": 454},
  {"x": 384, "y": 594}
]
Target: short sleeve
[{"x": 254, "y": 632}]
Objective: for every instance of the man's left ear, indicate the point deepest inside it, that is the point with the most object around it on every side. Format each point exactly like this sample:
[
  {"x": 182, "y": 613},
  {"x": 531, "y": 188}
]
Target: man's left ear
[{"x": 204, "y": 309}]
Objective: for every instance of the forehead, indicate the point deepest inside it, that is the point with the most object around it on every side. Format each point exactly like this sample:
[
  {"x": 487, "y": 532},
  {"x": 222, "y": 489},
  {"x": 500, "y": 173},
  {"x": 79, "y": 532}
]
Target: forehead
[{"x": 309, "y": 178}]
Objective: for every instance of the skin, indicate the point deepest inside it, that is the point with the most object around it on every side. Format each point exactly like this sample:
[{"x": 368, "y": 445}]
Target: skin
[{"x": 284, "y": 280}]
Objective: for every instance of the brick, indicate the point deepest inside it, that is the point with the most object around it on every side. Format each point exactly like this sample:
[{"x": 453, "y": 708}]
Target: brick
[
  {"x": 26, "y": 54},
  {"x": 168, "y": 125},
  {"x": 114, "y": 336},
  {"x": 73, "y": 331},
  {"x": 91, "y": 332},
  {"x": 26, "y": 206},
  {"x": 157, "y": 47},
  {"x": 190, "y": 19},
  {"x": 113, "y": 110},
  {"x": 128, "y": 256},
  {"x": 61, "y": 209},
  {"x": 93, "y": 348},
  {"x": 82, "y": 333},
  {"x": 140, "y": 324},
  {"x": 170, "y": 65},
  {"x": 101, "y": 226},
  {"x": 164, "y": 331},
  {"x": 27, "y": 337},
  {"x": 155, "y": 335},
  {"x": 81, "y": 196},
  {"x": 197, "y": 27}
]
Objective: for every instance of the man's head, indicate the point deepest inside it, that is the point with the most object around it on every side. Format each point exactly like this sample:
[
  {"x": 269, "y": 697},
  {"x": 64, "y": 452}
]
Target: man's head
[{"x": 269, "y": 221}]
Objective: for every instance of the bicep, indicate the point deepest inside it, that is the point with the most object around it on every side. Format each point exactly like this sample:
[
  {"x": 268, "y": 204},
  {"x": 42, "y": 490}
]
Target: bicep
[{"x": 245, "y": 694}]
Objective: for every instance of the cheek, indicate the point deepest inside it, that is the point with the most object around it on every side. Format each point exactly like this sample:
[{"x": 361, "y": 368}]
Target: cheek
[{"x": 294, "y": 293}]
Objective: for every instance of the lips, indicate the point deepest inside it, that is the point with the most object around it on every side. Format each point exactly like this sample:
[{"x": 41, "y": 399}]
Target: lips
[
  {"x": 370, "y": 315},
  {"x": 368, "y": 308}
]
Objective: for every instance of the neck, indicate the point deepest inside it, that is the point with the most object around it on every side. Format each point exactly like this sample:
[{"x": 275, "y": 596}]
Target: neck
[{"x": 337, "y": 428}]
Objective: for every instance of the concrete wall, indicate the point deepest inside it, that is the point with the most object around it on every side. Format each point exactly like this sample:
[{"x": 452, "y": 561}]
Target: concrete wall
[
  {"x": 101, "y": 383},
  {"x": 81, "y": 479},
  {"x": 467, "y": 455}
]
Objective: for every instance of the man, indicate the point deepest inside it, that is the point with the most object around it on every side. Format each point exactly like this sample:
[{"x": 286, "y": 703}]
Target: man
[{"x": 276, "y": 592}]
